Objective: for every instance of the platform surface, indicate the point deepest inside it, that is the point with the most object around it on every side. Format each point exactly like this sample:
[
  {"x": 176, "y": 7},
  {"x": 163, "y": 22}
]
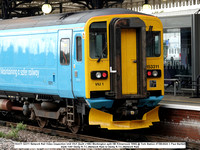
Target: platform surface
[{"x": 180, "y": 102}]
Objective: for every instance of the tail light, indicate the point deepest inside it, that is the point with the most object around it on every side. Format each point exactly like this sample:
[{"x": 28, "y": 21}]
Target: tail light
[
  {"x": 153, "y": 73},
  {"x": 104, "y": 75},
  {"x": 99, "y": 75},
  {"x": 149, "y": 73}
]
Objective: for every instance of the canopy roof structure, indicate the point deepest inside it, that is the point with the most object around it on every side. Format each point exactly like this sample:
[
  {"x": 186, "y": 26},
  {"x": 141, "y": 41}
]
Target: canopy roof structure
[{"x": 24, "y": 8}]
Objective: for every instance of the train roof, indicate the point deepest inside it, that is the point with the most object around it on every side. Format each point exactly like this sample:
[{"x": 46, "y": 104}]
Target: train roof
[{"x": 60, "y": 19}]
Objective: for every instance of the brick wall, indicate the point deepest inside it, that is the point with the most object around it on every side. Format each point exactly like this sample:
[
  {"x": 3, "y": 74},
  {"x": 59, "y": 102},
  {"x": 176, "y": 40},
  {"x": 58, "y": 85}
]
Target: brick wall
[{"x": 178, "y": 123}]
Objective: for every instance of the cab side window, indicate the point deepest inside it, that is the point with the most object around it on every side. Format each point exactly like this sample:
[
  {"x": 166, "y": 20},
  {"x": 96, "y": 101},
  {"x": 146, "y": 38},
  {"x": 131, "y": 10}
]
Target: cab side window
[
  {"x": 65, "y": 51},
  {"x": 78, "y": 48}
]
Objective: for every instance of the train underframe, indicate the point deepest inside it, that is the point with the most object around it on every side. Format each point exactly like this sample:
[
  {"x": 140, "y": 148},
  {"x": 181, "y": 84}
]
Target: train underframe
[{"x": 75, "y": 114}]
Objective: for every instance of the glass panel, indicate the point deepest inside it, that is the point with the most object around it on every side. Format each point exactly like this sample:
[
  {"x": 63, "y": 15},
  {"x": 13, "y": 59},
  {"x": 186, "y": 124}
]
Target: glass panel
[
  {"x": 186, "y": 50},
  {"x": 177, "y": 54},
  {"x": 98, "y": 40},
  {"x": 172, "y": 45},
  {"x": 64, "y": 52},
  {"x": 78, "y": 48},
  {"x": 153, "y": 44}
]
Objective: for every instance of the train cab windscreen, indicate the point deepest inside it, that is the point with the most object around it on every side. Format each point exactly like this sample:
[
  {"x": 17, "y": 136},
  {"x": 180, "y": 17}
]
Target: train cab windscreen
[
  {"x": 153, "y": 47},
  {"x": 98, "y": 40}
]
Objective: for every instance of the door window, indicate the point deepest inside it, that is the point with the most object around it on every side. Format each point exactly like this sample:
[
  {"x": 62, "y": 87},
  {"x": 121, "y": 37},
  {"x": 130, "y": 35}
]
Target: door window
[{"x": 64, "y": 51}]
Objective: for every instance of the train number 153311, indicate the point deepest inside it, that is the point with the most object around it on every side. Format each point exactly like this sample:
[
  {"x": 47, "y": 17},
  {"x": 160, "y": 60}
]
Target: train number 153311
[{"x": 152, "y": 66}]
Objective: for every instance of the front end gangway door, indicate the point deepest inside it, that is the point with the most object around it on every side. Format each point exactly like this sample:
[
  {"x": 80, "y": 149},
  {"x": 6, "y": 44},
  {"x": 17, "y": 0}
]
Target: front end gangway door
[{"x": 128, "y": 58}]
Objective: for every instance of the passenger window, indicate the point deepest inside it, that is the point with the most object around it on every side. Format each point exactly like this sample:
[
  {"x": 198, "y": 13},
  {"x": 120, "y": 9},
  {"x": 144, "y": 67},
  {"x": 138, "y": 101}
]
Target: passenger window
[
  {"x": 78, "y": 48},
  {"x": 64, "y": 51}
]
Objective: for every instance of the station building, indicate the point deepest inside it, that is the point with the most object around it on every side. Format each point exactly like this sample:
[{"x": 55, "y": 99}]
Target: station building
[
  {"x": 181, "y": 44},
  {"x": 181, "y": 39}
]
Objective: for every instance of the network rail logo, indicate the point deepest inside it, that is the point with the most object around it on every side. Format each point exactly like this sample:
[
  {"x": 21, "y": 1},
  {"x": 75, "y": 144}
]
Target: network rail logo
[{"x": 19, "y": 72}]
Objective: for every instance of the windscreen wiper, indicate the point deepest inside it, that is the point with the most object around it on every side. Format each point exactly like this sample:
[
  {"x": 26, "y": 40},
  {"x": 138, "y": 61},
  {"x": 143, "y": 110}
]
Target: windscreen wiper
[
  {"x": 150, "y": 34},
  {"x": 150, "y": 37},
  {"x": 105, "y": 48}
]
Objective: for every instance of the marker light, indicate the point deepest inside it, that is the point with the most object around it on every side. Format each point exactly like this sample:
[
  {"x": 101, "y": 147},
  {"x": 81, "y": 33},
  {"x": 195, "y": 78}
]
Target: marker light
[
  {"x": 98, "y": 75},
  {"x": 155, "y": 73}
]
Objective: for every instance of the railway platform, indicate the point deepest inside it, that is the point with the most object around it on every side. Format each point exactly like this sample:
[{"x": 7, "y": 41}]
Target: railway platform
[
  {"x": 180, "y": 102},
  {"x": 180, "y": 117}
]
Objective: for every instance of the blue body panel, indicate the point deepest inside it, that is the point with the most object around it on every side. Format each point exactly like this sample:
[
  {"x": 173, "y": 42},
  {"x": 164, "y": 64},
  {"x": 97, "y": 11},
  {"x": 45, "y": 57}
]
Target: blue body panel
[
  {"x": 152, "y": 101},
  {"x": 29, "y": 60},
  {"x": 100, "y": 102}
]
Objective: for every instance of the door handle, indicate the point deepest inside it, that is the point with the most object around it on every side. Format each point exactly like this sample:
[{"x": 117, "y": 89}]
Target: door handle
[{"x": 134, "y": 61}]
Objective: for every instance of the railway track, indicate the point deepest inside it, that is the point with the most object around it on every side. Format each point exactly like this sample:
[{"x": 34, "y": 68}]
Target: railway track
[
  {"x": 105, "y": 136},
  {"x": 81, "y": 137}
]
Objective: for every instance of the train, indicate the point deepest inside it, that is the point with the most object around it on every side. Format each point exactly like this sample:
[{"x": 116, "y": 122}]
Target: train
[{"x": 99, "y": 68}]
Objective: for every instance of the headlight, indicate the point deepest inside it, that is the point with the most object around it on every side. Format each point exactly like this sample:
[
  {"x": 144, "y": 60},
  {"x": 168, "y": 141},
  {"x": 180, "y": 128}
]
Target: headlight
[
  {"x": 98, "y": 75},
  {"x": 155, "y": 73}
]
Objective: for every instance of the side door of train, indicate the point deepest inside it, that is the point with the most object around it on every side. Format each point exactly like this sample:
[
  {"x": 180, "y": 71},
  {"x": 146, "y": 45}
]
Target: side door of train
[
  {"x": 64, "y": 63},
  {"x": 78, "y": 65}
]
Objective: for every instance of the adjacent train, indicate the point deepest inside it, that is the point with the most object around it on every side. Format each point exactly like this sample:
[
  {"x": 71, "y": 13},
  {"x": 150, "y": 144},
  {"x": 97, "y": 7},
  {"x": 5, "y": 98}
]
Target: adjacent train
[{"x": 98, "y": 67}]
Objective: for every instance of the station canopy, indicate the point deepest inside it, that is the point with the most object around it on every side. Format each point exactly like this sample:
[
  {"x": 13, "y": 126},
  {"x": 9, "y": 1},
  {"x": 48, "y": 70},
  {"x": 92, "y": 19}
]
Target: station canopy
[{"x": 24, "y": 8}]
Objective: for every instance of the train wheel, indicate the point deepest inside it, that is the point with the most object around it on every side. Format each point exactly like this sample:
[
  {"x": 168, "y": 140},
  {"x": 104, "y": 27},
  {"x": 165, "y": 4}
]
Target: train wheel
[
  {"x": 42, "y": 122},
  {"x": 76, "y": 126}
]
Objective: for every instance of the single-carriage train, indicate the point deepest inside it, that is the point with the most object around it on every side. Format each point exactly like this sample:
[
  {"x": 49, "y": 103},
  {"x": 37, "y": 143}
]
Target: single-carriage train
[{"x": 98, "y": 67}]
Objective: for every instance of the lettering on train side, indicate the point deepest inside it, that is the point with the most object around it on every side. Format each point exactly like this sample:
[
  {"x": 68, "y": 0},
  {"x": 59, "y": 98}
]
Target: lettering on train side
[
  {"x": 153, "y": 66},
  {"x": 99, "y": 84}
]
